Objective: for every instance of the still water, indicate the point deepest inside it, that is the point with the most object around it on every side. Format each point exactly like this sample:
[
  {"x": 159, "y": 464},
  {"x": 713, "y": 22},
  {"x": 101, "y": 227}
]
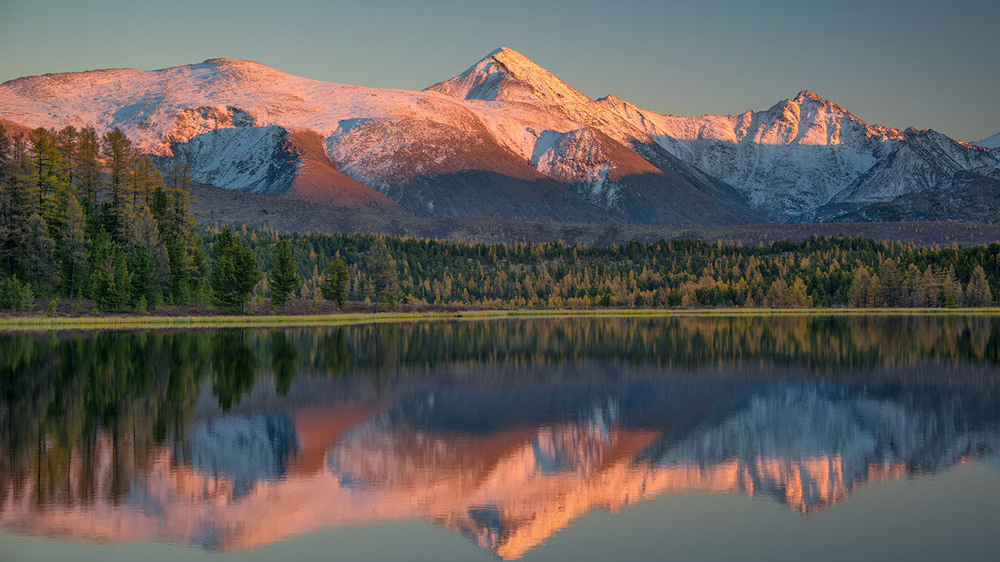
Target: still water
[{"x": 549, "y": 439}]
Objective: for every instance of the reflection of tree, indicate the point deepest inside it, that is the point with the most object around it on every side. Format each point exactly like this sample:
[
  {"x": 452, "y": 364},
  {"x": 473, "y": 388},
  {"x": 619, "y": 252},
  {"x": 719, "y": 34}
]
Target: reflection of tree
[
  {"x": 62, "y": 395},
  {"x": 234, "y": 368},
  {"x": 284, "y": 361},
  {"x": 337, "y": 355}
]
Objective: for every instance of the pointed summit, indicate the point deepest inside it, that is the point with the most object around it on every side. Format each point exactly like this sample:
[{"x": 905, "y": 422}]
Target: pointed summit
[
  {"x": 507, "y": 75},
  {"x": 806, "y": 94}
]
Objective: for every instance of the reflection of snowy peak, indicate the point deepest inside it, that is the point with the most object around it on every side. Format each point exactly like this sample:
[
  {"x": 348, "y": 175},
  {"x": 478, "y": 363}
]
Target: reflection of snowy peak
[
  {"x": 242, "y": 449},
  {"x": 809, "y": 449},
  {"x": 513, "y": 472}
]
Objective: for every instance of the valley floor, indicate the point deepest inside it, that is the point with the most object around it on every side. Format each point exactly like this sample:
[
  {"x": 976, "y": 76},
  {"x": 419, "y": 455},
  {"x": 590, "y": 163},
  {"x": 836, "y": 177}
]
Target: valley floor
[{"x": 222, "y": 206}]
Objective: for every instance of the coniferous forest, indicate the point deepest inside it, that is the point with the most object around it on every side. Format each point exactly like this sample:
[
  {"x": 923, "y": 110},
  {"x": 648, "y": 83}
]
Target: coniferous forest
[{"x": 85, "y": 218}]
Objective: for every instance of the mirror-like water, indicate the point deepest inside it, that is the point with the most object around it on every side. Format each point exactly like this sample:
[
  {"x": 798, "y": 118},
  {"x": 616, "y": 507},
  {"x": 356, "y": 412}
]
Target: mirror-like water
[{"x": 535, "y": 439}]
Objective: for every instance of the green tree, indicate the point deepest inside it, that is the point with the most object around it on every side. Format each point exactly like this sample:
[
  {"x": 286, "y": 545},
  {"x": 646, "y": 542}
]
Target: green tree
[
  {"x": 16, "y": 295},
  {"x": 235, "y": 273},
  {"x": 382, "y": 276},
  {"x": 110, "y": 276},
  {"x": 282, "y": 279},
  {"x": 38, "y": 252},
  {"x": 143, "y": 270},
  {"x": 335, "y": 283}
]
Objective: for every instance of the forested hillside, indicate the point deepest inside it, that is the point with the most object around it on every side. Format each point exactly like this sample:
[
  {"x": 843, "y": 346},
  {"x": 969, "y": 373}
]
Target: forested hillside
[{"x": 84, "y": 218}]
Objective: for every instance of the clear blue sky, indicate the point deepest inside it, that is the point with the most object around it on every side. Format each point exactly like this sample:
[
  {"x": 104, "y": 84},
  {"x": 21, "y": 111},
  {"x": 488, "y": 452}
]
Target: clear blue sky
[{"x": 929, "y": 64}]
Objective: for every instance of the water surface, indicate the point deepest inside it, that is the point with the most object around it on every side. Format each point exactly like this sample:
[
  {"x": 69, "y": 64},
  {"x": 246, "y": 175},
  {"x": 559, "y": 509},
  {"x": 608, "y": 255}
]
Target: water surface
[{"x": 542, "y": 439}]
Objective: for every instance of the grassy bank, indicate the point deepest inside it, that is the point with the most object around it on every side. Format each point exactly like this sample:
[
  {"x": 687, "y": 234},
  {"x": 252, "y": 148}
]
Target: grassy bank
[{"x": 128, "y": 322}]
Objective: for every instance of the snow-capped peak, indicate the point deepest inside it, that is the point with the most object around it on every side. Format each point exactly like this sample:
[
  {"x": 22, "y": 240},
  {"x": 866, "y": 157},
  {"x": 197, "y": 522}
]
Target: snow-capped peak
[
  {"x": 806, "y": 94},
  {"x": 507, "y": 75}
]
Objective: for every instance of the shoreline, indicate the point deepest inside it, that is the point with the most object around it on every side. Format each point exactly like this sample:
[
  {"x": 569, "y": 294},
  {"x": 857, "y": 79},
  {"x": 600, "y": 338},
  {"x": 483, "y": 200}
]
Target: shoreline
[{"x": 132, "y": 322}]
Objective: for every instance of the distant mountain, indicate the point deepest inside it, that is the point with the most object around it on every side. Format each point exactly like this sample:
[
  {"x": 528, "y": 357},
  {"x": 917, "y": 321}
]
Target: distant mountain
[
  {"x": 992, "y": 142},
  {"x": 506, "y": 138},
  {"x": 956, "y": 181},
  {"x": 808, "y": 159}
]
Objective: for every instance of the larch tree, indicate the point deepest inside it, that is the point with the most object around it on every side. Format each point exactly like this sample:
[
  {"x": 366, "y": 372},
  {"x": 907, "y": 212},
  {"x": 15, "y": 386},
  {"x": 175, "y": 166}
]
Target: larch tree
[
  {"x": 88, "y": 173},
  {"x": 118, "y": 154},
  {"x": 978, "y": 292},
  {"x": 73, "y": 248}
]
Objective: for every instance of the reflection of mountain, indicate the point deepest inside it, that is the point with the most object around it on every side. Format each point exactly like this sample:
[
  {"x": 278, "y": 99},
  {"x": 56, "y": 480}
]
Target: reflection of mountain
[{"x": 509, "y": 468}]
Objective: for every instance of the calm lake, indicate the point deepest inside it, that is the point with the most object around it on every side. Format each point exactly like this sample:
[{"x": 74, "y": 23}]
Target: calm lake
[{"x": 708, "y": 438}]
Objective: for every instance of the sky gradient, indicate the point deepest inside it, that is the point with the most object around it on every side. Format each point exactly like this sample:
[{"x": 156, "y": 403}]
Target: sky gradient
[{"x": 927, "y": 64}]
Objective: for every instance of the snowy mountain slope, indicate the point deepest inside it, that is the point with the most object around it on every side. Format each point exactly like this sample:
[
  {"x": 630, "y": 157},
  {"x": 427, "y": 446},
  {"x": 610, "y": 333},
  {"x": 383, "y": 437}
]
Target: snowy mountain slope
[
  {"x": 992, "y": 142},
  {"x": 434, "y": 154},
  {"x": 438, "y": 169},
  {"x": 926, "y": 161},
  {"x": 506, "y": 78},
  {"x": 789, "y": 159},
  {"x": 506, "y": 138},
  {"x": 272, "y": 161}
]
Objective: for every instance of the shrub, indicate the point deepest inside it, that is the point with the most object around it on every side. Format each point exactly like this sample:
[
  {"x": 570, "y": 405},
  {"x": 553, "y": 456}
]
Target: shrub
[{"x": 16, "y": 295}]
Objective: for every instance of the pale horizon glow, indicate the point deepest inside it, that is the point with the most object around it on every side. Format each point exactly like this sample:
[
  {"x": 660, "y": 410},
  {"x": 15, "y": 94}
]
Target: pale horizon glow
[{"x": 919, "y": 63}]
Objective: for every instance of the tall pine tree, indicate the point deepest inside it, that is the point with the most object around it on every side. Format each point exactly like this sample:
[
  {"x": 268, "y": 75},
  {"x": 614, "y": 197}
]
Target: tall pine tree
[
  {"x": 235, "y": 273},
  {"x": 282, "y": 279},
  {"x": 335, "y": 283}
]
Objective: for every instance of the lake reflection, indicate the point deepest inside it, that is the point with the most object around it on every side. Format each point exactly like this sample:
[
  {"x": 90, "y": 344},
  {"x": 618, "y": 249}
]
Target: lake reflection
[{"x": 505, "y": 431}]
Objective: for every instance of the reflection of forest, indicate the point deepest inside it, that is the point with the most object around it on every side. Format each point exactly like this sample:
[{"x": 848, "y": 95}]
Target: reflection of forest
[{"x": 505, "y": 430}]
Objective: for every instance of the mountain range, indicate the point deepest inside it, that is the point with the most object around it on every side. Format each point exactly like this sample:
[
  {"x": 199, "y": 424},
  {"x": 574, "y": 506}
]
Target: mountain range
[{"x": 506, "y": 138}]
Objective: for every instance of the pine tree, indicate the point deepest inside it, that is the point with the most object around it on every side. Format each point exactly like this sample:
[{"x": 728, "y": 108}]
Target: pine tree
[
  {"x": 110, "y": 276},
  {"x": 335, "y": 282},
  {"x": 19, "y": 202},
  {"x": 235, "y": 273},
  {"x": 38, "y": 252},
  {"x": 282, "y": 278},
  {"x": 382, "y": 274},
  {"x": 143, "y": 270}
]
